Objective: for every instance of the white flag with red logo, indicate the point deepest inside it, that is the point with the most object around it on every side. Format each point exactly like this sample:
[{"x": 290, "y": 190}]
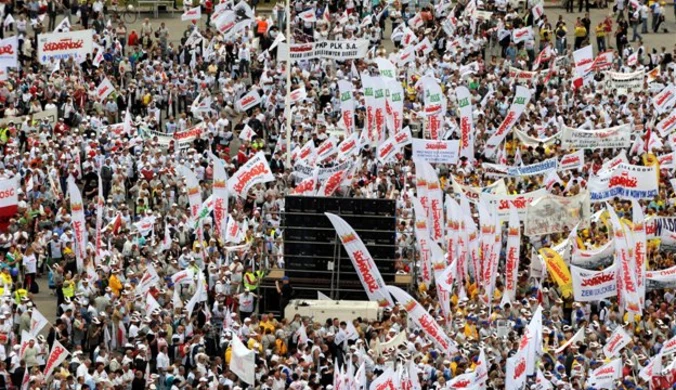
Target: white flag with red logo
[
  {"x": 38, "y": 321},
  {"x": 248, "y": 101},
  {"x": 388, "y": 380},
  {"x": 331, "y": 183},
  {"x": 255, "y": 171},
  {"x": 308, "y": 16},
  {"x": 424, "y": 320},
  {"x": 466, "y": 123},
  {"x": 308, "y": 186},
  {"x": 56, "y": 357},
  {"x": 362, "y": 261},
  {"x": 297, "y": 95},
  {"x": 247, "y": 133},
  {"x": 78, "y": 222},
  {"x": 192, "y": 14},
  {"x": 104, "y": 89},
  {"x": 346, "y": 106},
  {"x": 9, "y": 48},
  {"x": 614, "y": 344},
  {"x": 327, "y": 149},
  {"x": 604, "y": 376}
]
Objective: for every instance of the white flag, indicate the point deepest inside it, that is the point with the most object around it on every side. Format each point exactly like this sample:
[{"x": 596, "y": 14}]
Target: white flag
[
  {"x": 192, "y": 14},
  {"x": 104, "y": 89},
  {"x": 56, "y": 357},
  {"x": 243, "y": 361},
  {"x": 38, "y": 321}
]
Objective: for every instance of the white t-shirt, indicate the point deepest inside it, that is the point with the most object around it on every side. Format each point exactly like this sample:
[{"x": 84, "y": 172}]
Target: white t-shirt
[
  {"x": 246, "y": 302},
  {"x": 31, "y": 264}
]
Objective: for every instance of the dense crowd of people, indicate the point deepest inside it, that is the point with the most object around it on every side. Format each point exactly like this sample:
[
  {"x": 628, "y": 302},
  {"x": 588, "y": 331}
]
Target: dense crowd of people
[{"x": 165, "y": 293}]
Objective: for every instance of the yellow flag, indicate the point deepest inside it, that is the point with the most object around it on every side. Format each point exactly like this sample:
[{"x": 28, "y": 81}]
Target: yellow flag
[
  {"x": 558, "y": 270},
  {"x": 649, "y": 160}
]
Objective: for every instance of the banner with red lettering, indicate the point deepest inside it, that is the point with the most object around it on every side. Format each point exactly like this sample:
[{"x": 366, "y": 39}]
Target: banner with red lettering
[
  {"x": 513, "y": 253},
  {"x": 349, "y": 147},
  {"x": 193, "y": 189},
  {"x": 591, "y": 286},
  {"x": 500, "y": 204},
  {"x": 466, "y": 123},
  {"x": 346, "y": 105},
  {"x": 421, "y": 318},
  {"x": 626, "y": 282},
  {"x": 380, "y": 106},
  {"x": 661, "y": 279},
  {"x": 386, "y": 381},
  {"x": 326, "y": 149},
  {"x": 665, "y": 100},
  {"x": 9, "y": 49},
  {"x": 62, "y": 46},
  {"x": 256, "y": 170},
  {"x": 592, "y": 259},
  {"x": 220, "y": 192},
  {"x": 436, "y": 152},
  {"x": 78, "y": 223},
  {"x": 369, "y": 85},
  {"x": 572, "y": 161},
  {"x": 395, "y": 105},
  {"x": 667, "y": 125},
  {"x": 521, "y": 100},
  {"x": 521, "y": 76},
  {"x": 99, "y": 221},
  {"x": 57, "y": 355},
  {"x": 421, "y": 230},
  {"x": 435, "y": 107},
  {"x": 248, "y": 101},
  {"x": 604, "y": 376},
  {"x": 639, "y": 242},
  {"x": 9, "y": 202},
  {"x": 522, "y": 34},
  {"x": 192, "y": 14},
  {"x": 515, "y": 370},
  {"x": 473, "y": 193},
  {"x": 584, "y": 60},
  {"x": 608, "y": 138},
  {"x": 330, "y": 185},
  {"x": 614, "y": 344},
  {"x": 435, "y": 212},
  {"x": 104, "y": 89},
  {"x": 362, "y": 261}
]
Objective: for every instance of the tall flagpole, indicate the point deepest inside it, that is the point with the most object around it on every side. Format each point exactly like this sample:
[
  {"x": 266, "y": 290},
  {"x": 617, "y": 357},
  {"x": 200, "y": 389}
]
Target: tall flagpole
[{"x": 287, "y": 109}]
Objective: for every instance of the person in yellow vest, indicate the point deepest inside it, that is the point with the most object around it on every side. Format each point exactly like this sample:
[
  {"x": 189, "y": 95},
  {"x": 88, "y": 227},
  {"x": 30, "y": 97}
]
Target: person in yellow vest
[
  {"x": 19, "y": 293},
  {"x": 114, "y": 283},
  {"x": 252, "y": 279},
  {"x": 68, "y": 288},
  {"x": 5, "y": 280}
]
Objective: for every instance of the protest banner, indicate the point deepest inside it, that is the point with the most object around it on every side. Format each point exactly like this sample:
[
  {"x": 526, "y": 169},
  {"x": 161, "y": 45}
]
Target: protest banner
[
  {"x": 336, "y": 50},
  {"x": 609, "y": 138},
  {"x": 62, "y": 46}
]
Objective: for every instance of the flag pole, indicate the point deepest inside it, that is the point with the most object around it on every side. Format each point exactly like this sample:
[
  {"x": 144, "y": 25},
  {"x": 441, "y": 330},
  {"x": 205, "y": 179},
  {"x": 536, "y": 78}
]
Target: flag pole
[{"x": 287, "y": 110}]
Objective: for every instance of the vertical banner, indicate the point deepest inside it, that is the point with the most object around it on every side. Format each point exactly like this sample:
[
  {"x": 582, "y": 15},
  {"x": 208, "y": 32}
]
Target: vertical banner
[
  {"x": 368, "y": 83},
  {"x": 57, "y": 355},
  {"x": 220, "y": 192},
  {"x": 513, "y": 253},
  {"x": 79, "y": 226},
  {"x": 640, "y": 248},
  {"x": 466, "y": 123},
  {"x": 627, "y": 266},
  {"x": 558, "y": 270},
  {"x": 362, "y": 261},
  {"x": 99, "y": 222},
  {"x": 395, "y": 102},
  {"x": 346, "y": 105},
  {"x": 423, "y": 239},
  {"x": 424, "y": 320},
  {"x": 435, "y": 107},
  {"x": 521, "y": 100},
  {"x": 243, "y": 362}
]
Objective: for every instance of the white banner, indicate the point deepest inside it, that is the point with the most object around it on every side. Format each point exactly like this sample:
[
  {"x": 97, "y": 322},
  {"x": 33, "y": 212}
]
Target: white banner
[
  {"x": 521, "y": 100},
  {"x": 243, "y": 361},
  {"x": 192, "y": 14},
  {"x": 61, "y": 46},
  {"x": 335, "y": 50},
  {"x": 473, "y": 193},
  {"x": 443, "y": 152},
  {"x": 346, "y": 105},
  {"x": 501, "y": 203},
  {"x": 610, "y": 138},
  {"x": 662, "y": 279},
  {"x": 303, "y": 171},
  {"x": 78, "y": 222},
  {"x": 539, "y": 168},
  {"x": 614, "y": 344},
  {"x": 555, "y": 214},
  {"x": 572, "y": 161},
  {"x": 56, "y": 356},
  {"x": 528, "y": 140},
  {"x": 626, "y": 182},
  {"x": 584, "y": 60},
  {"x": 104, "y": 89},
  {"x": 466, "y": 123},
  {"x": 38, "y": 321},
  {"x": 591, "y": 286},
  {"x": 522, "y": 34},
  {"x": 604, "y": 376},
  {"x": 626, "y": 81},
  {"x": 521, "y": 76},
  {"x": 9, "y": 52},
  {"x": 363, "y": 263},
  {"x": 419, "y": 315},
  {"x": 256, "y": 170},
  {"x": 666, "y": 125},
  {"x": 665, "y": 100},
  {"x": 593, "y": 259},
  {"x": 247, "y": 101}
]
